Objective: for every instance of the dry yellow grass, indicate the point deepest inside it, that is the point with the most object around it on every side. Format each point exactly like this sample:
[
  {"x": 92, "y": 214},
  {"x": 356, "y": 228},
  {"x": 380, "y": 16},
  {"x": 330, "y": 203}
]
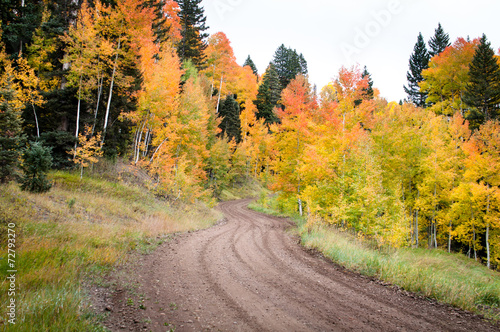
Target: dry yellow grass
[{"x": 80, "y": 226}]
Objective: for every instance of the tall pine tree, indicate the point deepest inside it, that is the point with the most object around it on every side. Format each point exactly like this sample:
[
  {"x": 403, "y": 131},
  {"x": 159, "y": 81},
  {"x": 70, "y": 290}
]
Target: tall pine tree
[
  {"x": 368, "y": 91},
  {"x": 19, "y": 20},
  {"x": 11, "y": 137},
  {"x": 439, "y": 42},
  {"x": 193, "y": 19},
  {"x": 288, "y": 64},
  {"x": 419, "y": 61},
  {"x": 249, "y": 62},
  {"x": 483, "y": 91},
  {"x": 231, "y": 124},
  {"x": 159, "y": 27},
  {"x": 268, "y": 95}
]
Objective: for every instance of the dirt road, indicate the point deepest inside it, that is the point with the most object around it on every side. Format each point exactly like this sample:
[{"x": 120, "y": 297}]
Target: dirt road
[{"x": 248, "y": 274}]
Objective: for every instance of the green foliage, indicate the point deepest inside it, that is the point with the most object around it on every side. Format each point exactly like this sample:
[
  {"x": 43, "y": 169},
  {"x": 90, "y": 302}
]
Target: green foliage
[
  {"x": 190, "y": 70},
  {"x": 483, "y": 91},
  {"x": 288, "y": 64},
  {"x": 160, "y": 26},
  {"x": 60, "y": 143},
  {"x": 19, "y": 22},
  {"x": 368, "y": 92},
  {"x": 268, "y": 95},
  {"x": 37, "y": 162},
  {"x": 439, "y": 42},
  {"x": 192, "y": 44},
  {"x": 218, "y": 166},
  {"x": 230, "y": 124},
  {"x": 419, "y": 61},
  {"x": 11, "y": 138},
  {"x": 249, "y": 62}
]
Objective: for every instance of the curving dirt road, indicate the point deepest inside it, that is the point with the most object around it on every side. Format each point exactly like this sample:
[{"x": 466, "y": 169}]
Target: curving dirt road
[{"x": 248, "y": 274}]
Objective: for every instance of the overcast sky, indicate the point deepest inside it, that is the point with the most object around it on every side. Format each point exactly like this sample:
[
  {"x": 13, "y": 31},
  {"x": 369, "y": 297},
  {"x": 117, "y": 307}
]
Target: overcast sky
[{"x": 380, "y": 34}]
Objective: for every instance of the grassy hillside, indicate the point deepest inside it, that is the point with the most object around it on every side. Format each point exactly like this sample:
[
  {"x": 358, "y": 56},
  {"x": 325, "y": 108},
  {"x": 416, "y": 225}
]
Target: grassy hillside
[
  {"x": 79, "y": 231},
  {"x": 448, "y": 278}
]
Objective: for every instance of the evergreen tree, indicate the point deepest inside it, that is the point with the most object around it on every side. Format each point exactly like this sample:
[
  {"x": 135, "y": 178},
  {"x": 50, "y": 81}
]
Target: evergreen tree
[
  {"x": 36, "y": 164},
  {"x": 419, "y": 61},
  {"x": 160, "y": 28},
  {"x": 192, "y": 18},
  {"x": 268, "y": 95},
  {"x": 483, "y": 91},
  {"x": 303, "y": 65},
  {"x": 367, "y": 92},
  {"x": 231, "y": 124},
  {"x": 19, "y": 20},
  {"x": 439, "y": 42},
  {"x": 288, "y": 64},
  {"x": 249, "y": 62},
  {"x": 11, "y": 138},
  {"x": 60, "y": 143}
]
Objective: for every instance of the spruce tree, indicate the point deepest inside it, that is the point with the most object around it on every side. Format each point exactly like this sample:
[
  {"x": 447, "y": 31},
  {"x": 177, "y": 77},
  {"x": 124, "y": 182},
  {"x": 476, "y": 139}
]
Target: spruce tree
[
  {"x": 159, "y": 27},
  {"x": 268, "y": 95},
  {"x": 249, "y": 62},
  {"x": 419, "y": 61},
  {"x": 19, "y": 20},
  {"x": 303, "y": 65},
  {"x": 483, "y": 90},
  {"x": 439, "y": 42},
  {"x": 368, "y": 92},
  {"x": 288, "y": 64},
  {"x": 11, "y": 138},
  {"x": 192, "y": 19},
  {"x": 231, "y": 124},
  {"x": 36, "y": 164}
]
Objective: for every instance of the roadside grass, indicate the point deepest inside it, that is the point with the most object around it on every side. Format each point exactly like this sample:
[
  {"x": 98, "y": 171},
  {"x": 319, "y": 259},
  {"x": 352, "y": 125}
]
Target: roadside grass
[
  {"x": 77, "y": 232},
  {"x": 248, "y": 188},
  {"x": 447, "y": 278}
]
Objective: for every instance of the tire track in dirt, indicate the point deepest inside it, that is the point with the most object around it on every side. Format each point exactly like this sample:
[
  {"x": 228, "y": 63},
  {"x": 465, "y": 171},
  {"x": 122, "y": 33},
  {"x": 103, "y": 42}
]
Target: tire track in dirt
[{"x": 248, "y": 274}]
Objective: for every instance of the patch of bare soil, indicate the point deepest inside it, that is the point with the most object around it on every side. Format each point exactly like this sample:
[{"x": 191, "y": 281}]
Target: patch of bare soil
[{"x": 248, "y": 274}]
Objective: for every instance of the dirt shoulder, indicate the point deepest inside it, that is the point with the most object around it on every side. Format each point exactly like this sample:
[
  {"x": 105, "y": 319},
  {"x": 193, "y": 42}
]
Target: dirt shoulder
[{"x": 248, "y": 274}]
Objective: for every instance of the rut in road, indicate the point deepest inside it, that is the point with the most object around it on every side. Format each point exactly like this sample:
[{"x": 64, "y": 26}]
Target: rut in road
[{"x": 248, "y": 274}]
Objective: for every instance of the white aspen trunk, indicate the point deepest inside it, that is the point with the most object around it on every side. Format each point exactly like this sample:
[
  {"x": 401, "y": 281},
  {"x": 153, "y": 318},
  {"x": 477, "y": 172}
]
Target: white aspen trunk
[
  {"x": 488, "y": 231},
  {"x": 434, "y": 218},
  {"x": 138, "y": 147},
  {"x": 474, "y": 241},
  {"x": 343, "y": 164},
  {"x": 212, "y": 87},
  {"x": 36, "y": 121},
  {"x": 449, "y": 238},
  {"x": 416, "y": 221},
  {"x": 99, "y": 93},
  {"x": 78, "y": 115},
  {"x": 157, "y": 149},
  {"x": 435, "y": 235},
  {"x": 146, "y": 142},
  {"x": 110, "y": 93},
  {"x": 136, "y": 136},
  {"x": 298, "y": 174},
  {"x": 488, "y": 245},
  {"x": 218, "y": 99},
  {"x": 300, "y": 207}
]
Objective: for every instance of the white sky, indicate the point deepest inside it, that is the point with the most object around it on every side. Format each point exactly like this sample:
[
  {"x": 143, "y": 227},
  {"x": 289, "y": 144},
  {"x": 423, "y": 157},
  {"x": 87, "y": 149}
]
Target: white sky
[{"x": 380, "y": 34}]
